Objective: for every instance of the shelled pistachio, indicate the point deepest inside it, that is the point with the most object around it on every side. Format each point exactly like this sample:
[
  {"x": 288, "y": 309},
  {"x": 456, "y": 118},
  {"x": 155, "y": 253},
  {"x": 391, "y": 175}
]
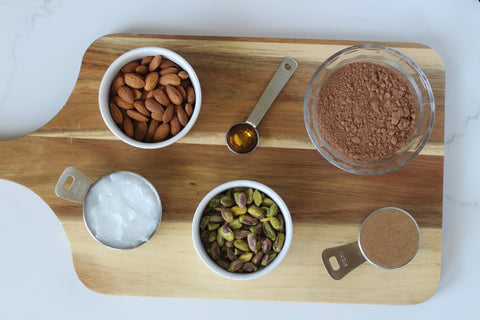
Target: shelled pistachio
[
  {"x": 278, "y": 244},
  {"x": 249, "y": 267},
  {"x": 242, "y": 230},
  {"x": 227, "y": 200},
  {"x": 268, "y": 257},
  {"x": 275, "y": 223},
  {"x": 249, "y": 196},
  {"x": 241, "y": 233}
]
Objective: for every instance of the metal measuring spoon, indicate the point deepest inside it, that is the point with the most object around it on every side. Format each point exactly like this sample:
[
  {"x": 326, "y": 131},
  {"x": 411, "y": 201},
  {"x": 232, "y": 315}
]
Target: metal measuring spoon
[
  {"x": 243, "y": 137},
  {"x": 397, "y": 246}
]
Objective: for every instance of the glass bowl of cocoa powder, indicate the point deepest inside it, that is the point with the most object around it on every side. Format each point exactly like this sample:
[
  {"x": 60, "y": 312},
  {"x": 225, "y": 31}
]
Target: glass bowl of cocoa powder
[{"x": 369, "y": 109}]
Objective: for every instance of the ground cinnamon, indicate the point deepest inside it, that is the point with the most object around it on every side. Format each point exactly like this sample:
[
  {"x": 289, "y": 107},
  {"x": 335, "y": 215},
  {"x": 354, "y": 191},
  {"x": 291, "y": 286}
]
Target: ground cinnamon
[
  {"x": 365, "y": 111},
  {"x": 389, "y": 238}
]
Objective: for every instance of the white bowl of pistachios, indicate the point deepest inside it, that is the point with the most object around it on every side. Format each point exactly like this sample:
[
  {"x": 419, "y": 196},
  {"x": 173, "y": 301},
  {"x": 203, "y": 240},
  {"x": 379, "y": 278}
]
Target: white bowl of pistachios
[{"x": 242, "y": 230}]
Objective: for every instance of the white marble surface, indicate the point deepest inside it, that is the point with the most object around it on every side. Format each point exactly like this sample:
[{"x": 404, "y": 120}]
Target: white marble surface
[{"x": 42, "y": 46}]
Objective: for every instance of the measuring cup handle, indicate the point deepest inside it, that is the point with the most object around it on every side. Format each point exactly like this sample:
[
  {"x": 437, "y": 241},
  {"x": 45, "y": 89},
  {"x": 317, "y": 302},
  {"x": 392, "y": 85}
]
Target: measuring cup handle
[
  {"x": 77, "y": 190},
  {"x": 280, "y": 78},
  {"x": 347, "y": 256}
]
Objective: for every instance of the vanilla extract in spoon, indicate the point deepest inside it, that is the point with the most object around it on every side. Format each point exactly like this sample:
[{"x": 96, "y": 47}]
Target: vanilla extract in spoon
[{"x": 243, "y": 137}]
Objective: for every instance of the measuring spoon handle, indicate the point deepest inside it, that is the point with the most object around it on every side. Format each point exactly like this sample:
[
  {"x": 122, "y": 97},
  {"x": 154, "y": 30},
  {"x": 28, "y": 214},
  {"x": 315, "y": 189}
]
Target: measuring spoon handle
[
  {"x": 346, "y": 258},
  {"x": 78, "y": 188},
  {"x": 280, "y": 78}
]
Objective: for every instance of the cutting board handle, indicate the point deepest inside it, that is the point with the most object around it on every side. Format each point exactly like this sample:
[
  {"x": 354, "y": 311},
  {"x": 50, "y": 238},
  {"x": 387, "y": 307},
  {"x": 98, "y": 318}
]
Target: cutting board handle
[{"x": 77, "y": 189}]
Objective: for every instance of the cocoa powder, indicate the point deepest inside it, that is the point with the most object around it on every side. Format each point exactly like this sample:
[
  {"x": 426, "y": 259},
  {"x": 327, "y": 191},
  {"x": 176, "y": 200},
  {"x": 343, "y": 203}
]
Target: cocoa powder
[{"x": 365, "y": 111}]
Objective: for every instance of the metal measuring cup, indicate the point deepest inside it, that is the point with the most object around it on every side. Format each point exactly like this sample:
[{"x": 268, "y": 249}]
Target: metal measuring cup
[
  {"x": 243, "y": 137},
  {"x": 81, "y": 187},
  {"x": 349, "y": 256}
]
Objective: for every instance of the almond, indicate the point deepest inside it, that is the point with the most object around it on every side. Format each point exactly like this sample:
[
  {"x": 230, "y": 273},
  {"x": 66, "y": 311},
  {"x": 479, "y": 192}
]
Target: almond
[
  {"x": 182, "y": 116},
  {"x": 155, "y": 63},
  {"x": 161, "y": 133},
  {"x": 169, "y": 112},
  {"x": 173, "y": 94},
  {"x": 161, "y": 97},
  {"x": 122, "y": 103},
  {"x": 190, "y": 94},
  {"x": 146, "y": 61},
  {"x": 126, "y": 94},
  {"x": 134, "y": 80},
  {"x": 151, "y": 99},
  {"x": 189, "y": 109},
  {"x": 151, "y": 81},
  {"x": 140, "y": 130},
  {"x": 140, "y": 106},
  {"x": 166, "y": 63},
  {"x": 149, "y": 94},
  {"x": 169, "y": 70},
  {"x": 135, "y": 115},
  {"x": 182, "y": 92},
  {"x": 171, "y": 79},
  {"x": 157, "y": 116},
  {"x": 116, "y": 114},
  {"x": 137, "y": 93},
  {"x": 116, "y": 83},
  {"x": 175, "y": 125},
  {"x": 141, "y": 69},
  {"x": 152, "y": 105},
  {"x": 152, "y": 127},
  {"x": 183, "y": 75},
  {"x": 130, "y": 67},
  {"x": 128, "y": 126}
]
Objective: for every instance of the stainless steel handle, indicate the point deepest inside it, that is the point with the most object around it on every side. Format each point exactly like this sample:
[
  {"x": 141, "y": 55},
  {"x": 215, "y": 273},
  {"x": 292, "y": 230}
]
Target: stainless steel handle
[
  {"x": 280, "y": 78},
  {"x": 347, "y": 257},
  {"x": 77, "y": 190}
]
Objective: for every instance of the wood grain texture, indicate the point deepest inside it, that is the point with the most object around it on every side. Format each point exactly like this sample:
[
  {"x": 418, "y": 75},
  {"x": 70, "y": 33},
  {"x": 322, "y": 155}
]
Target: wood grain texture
[{"x": 327, "y": 204}]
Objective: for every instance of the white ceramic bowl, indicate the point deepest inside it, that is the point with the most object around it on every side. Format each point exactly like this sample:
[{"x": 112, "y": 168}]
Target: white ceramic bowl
[
  {"x": 137, "y": 54},
  {"x": 204, "y": 255}
]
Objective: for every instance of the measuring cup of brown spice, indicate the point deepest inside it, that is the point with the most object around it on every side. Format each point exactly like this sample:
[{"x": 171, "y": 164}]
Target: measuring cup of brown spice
[
  {"x": 369, "y": 109},
  {"x": 389, "y": 238}
]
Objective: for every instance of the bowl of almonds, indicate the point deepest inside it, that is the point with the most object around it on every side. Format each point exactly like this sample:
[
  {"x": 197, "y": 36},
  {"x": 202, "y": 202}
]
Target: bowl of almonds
[
  {"x": 242, "y": 230},
  {"x": 150, "y": 97}
]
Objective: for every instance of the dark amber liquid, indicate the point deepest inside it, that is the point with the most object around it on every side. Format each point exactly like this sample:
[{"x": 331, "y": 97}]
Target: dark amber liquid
[{"x": 242, "y": 138}]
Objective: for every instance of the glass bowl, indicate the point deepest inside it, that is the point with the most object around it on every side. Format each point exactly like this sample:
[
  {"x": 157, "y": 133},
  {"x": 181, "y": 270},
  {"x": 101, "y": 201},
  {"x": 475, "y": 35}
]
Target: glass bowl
[{"x": 423, "y": 99}]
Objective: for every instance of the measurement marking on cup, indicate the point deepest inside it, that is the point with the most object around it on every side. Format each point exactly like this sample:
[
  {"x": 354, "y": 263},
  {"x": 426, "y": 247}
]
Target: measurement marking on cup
[
  {"x": 77, "y": 186},
  {"x": 343, "y": 259}
]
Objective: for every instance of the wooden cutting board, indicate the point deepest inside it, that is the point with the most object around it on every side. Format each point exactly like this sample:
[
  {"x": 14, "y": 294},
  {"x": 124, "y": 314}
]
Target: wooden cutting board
[{"x": 327, "y": 204}]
